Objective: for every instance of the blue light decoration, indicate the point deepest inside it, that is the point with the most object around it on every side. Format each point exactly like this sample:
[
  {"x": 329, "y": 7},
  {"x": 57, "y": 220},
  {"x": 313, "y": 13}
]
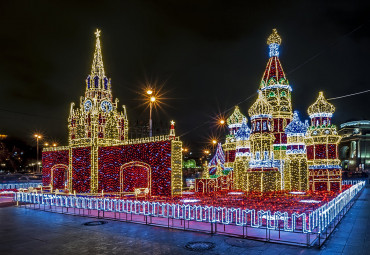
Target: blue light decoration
[
  {"x": 217, "y": 160},
  {"x": 296, "y": 128},
  {"x": 244, "y": 131},
  {"x": 274, "y": 50}
]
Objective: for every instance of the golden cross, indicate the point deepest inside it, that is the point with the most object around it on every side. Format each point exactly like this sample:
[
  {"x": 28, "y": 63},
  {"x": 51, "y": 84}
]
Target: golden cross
[{"x": 97, "y": 33}]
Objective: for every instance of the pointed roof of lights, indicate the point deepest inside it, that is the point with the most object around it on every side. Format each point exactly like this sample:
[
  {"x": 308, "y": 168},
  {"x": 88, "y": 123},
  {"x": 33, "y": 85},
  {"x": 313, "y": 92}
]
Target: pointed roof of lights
[
  {"x": 296, "y": 126},
  {"x": 260, "y": 107},
  {"x": 274, "y": 73},
  {"x": 321, "y": 106},
  {"x": 218, "y": 157},
  {"x": 236, "y": 117},
  {"x": 97, "y": 68},
  {"x": 244, "y": 131}
]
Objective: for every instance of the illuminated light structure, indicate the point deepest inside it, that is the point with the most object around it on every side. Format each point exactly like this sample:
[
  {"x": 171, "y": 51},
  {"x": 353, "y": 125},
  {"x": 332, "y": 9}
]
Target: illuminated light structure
[
  {"x": 100, "y": 158},
  {"x": 262, "y": 174},
  {"x": 277, "y": 91},
  {"x": 296, "y": 169},
  {"x": 322, "y": 147},
  {"x": 242, "y": 155},
  {"x": 234, "y": 122},
  {"x": 220, "y": 178},
  {"x": 217, "y": 163}
]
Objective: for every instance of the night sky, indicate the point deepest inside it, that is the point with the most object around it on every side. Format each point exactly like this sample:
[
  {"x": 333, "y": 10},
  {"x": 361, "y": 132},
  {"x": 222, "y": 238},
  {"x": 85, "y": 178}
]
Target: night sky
[{"x": 207, "y": 55}]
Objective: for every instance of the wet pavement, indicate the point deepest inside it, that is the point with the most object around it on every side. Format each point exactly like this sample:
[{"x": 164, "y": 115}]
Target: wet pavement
[{"x": 27, "y": 231}]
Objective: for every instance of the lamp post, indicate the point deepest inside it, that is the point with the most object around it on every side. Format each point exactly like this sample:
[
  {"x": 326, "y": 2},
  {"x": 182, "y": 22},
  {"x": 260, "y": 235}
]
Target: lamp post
[
  {"x": 151, "y": 101},
  {"x": 37, "y": 136}
]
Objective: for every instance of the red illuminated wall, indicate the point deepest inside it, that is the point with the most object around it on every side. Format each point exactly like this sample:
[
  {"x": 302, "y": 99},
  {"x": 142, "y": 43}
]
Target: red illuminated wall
[
  {"x": 156, "y": 154},
  {"x": 50, "y": 159},
  {"x": 81, "y": 169}
]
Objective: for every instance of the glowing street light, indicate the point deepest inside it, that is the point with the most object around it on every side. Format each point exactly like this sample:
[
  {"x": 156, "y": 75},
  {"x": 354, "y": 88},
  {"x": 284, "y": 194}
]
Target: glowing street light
[
  {"x": 222, "y": 121},
  {"x": 151, "y": 102},
  {"x": 149, "y": 91},
  {"x": 54, "y": 145},
  {"x": 214, "y": 142},
  {"x": 37, "y": 136}
]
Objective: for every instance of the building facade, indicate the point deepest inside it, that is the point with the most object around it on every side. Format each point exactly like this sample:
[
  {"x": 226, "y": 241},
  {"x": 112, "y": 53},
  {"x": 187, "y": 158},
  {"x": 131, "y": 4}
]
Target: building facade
[{"x": 354, "y": 148}]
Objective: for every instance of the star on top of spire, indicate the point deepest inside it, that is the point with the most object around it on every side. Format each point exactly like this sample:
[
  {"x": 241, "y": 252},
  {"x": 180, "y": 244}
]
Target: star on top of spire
[
  {"x": 97, "y": 33},
  {"x": 97, "y": 68}
]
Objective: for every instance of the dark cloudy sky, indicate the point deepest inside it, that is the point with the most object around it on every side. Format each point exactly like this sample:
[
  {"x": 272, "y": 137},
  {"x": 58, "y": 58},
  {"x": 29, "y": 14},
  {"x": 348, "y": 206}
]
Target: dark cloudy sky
[{"x": 210, "y": 54}]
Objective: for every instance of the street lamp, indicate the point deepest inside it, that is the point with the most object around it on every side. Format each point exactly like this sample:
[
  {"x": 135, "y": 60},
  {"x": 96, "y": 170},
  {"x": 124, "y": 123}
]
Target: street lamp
[
  {"x": 37, "y": 136},
  {"x": 151, "y": 102}
]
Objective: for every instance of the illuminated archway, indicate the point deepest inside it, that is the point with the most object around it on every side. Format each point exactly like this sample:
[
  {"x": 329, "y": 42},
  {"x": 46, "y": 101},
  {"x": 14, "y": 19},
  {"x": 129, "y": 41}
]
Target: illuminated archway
[
  {"x": 135, "y": 175},
  {"x": 59, "y": 177}
]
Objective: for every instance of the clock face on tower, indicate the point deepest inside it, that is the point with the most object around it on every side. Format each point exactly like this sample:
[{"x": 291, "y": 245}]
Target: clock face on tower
[
  {"x": 106, "y": 106},
  {"x": 87, "y": 105}
]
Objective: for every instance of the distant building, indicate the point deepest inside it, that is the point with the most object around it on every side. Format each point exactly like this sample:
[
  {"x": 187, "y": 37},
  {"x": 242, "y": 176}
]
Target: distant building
[{"x": 354, "y": 148}]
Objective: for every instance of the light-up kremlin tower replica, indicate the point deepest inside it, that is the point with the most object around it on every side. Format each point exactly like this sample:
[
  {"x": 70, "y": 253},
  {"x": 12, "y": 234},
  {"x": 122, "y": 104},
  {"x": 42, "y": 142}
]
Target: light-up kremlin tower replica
[
  {"x": 279, "y": 152},
  {"x": 100, "y": 157}
]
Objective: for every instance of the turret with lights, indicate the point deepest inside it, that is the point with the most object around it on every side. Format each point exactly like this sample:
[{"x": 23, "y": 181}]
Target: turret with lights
[
  {"x": 234, "y": 122},
  {"x": 322, "y": 147},
  {"x": 277, "y": 91},
  {"x": 296, "y": 170},
  {"x": 98, "y": 119},
  {"x": 242, "y": 155},
  {"x": 262, "y": 174}
]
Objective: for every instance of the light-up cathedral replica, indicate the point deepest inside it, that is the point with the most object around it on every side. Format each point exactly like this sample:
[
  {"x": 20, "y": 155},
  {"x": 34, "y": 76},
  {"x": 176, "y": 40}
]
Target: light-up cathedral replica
[
  {"x": 100, "y": 157},
  {"x": 278, "y": 152}
]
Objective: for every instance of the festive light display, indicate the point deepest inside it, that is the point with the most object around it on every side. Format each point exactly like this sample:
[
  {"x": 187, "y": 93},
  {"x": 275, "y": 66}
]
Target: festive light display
[
  {"x": 234, "y": 122},
  {"x": 262, "y": 175},
  {"x": 282, "y": 217},
  {"x": 242, "y": 155},
  {"x": 296, "y": 169},
  {"x": 278, "y": 146},
  {"x": 100, "y": 158},
  {"x": 322, "y": 147}
]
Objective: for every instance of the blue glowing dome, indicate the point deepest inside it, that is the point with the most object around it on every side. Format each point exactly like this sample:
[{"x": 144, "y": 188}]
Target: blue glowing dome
[
  {"x": 296, "y": 126},
  {"x": 244, "y": 131}
]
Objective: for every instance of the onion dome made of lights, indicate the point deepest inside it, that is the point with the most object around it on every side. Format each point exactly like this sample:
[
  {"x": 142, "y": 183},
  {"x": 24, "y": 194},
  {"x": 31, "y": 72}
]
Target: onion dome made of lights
[
  {"x": 260, "y": 107},
  {"x": 244, "y": 131},
  {"x": 274, "y": 38},
  {"x": 236, "y": 117},
  {"x": 321, "y": 106},
  {"x": 296, "y": 126}
]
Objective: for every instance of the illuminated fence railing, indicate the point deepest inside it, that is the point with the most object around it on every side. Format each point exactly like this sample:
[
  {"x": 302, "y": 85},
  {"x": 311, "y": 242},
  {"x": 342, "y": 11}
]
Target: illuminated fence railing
[
  {"x": 20, "y": 185},
  {"x": 324, "y": 215},
  {"x": 316, "y": 221}
]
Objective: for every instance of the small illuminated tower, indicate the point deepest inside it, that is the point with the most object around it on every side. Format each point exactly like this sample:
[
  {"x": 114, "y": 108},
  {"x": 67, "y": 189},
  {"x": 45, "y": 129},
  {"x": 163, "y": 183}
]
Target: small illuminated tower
[
  {"x": 277, "y": 91},
  {"x": 242, "y": 155},
  {"x": 234, "y": 122},
  {"x": 172, "y": 130},
  {"x": 322, "y": 147},
  {"x": 217, "y": 164},
  {"x": 97, "y": 120},
  {"x": 296, "y": 170},
  {"x": 262, "y": 174}
]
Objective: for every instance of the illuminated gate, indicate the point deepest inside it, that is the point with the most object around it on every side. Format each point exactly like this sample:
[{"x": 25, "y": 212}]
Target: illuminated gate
[
  {"x": 134, "y": 175},
  {"x": 59, "y": 177}
]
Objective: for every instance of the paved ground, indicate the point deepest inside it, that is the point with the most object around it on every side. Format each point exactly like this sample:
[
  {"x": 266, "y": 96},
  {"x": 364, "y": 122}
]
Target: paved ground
[{"x": 25, "y": 231}]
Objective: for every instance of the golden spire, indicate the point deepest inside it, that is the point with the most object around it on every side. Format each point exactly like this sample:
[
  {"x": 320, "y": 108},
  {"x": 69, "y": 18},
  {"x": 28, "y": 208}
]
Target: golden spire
[
  {"x": 321, "y": 106},
  {"x": 274, "y": 38},
  {"x": 97, "y": 68}
]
